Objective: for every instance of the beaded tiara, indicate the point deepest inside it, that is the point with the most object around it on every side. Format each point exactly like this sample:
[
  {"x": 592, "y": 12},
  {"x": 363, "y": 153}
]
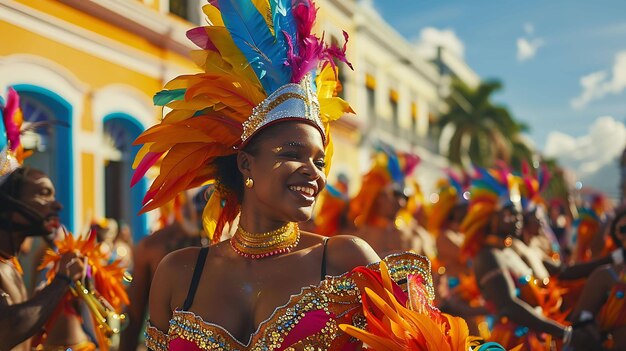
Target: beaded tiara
[{"x": 261, "y": 64}]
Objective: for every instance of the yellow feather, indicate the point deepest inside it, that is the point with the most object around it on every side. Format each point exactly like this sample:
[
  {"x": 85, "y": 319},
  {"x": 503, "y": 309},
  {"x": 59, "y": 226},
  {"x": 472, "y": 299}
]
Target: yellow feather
[
  {"x": 211, "y": 214},
  {"x": 213, "y": 14}
]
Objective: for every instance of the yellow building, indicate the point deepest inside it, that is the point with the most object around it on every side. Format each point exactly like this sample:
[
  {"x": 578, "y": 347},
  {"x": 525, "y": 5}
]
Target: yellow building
[{"x": 91, "y": 68}]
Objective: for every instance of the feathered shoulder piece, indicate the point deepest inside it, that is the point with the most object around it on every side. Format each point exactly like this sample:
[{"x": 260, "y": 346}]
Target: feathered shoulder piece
[
  {"x": 396, "y": 322},
  {"x": 12, "y": 153},
  {"x": 259, "y": 61}
]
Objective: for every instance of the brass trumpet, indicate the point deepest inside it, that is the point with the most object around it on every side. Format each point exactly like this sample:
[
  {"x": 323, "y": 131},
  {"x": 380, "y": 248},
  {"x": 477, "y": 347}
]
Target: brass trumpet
[{"x": 107, "y": 320}]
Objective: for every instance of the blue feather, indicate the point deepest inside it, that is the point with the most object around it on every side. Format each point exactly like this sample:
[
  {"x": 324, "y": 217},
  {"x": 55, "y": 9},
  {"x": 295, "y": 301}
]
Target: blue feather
[
  {"x": 4, "y": 142},
  {"x": 284, "y": 22},
  {"x": 252, "y": 36}
]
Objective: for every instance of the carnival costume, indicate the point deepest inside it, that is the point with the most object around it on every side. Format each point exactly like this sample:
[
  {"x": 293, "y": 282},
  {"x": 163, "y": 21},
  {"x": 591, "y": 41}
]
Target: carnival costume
[
  {"x": 588, "y": 226},
  {"x": 103, "y": 290},
  {"x": 612, "y": 316},
  {"x": 259, "y": 58},
  {"x": 491, "y": 191},
  {"x": 388, "y": 167},
  {"x": 12, "y": 152},
  {"x": 333, "y": 204}
]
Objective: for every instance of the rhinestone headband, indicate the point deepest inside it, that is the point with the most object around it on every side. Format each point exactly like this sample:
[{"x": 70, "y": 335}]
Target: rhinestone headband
[
  {"x": 8, "y": 164},
  {"x": 290, "y": 101}
]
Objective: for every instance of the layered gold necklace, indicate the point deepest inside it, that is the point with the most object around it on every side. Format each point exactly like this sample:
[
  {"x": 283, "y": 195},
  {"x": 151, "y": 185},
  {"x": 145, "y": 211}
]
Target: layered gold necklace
[{"x": 260, "y": 245}]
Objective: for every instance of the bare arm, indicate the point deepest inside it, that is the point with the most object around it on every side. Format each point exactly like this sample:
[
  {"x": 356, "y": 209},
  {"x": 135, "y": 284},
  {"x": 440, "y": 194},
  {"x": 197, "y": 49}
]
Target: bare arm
[
  {"x": 161, "y": 294},
  {"x": 137, "y": 293},
  {"x": 579, "y": 271},
  {"x": 497, "y": 286},
  {"x": 21, "y": 321}
]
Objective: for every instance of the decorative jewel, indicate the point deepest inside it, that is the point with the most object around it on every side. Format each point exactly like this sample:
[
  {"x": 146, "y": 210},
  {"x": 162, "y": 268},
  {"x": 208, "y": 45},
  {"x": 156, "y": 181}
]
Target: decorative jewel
[
  {"x": 249, "y": 182},
  {"x": 260, "y": 245},
  {"x": 508, "y": 241}
]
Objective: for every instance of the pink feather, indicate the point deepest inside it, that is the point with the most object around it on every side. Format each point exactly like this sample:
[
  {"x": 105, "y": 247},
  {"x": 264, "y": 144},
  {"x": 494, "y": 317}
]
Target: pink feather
[
  {"x": 311, "y": 49},
  {"x": 148, "y": 161},
  {"x": 199, "y": 37},
  {"x": 12, "y": 129}
]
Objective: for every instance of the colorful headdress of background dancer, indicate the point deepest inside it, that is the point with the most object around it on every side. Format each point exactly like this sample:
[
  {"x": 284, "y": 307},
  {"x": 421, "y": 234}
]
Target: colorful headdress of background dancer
[
  {"x": 451, "y": 191},
  {"x": 258, "y": 59},
  {"x": 588, "y": 224},
  {"x": 388, "y": 167},
  {"x": 12, "y": 153},
  {"x": 332, "y": 204},
  {"x": 533, "y": 184},
  {"x": 491, "y": 191}
]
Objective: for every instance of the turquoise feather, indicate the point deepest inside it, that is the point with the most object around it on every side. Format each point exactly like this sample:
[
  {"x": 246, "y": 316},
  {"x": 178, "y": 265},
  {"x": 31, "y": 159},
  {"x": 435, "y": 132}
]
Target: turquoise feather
[
  {"x": 164, "y": 97},
  {"x": 255, "y": 40}
]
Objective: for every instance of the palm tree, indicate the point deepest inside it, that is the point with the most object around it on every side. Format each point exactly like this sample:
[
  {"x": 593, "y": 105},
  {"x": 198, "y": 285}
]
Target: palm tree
[{"x": 482, "y": 132}]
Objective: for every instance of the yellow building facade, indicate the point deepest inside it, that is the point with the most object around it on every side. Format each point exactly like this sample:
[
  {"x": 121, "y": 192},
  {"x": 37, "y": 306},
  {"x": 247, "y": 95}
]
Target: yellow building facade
[{"x": 89, "y": 70}]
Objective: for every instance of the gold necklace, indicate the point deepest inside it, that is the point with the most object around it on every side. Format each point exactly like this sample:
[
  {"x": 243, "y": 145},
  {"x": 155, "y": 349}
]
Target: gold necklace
[{"x": 260, "y": 245}]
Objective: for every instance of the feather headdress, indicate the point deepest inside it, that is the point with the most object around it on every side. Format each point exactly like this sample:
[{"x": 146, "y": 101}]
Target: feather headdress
[
  {"x": 490, "y": 191},
  {"x": 388, "y": 167},
  {"x": 451, "y": 191},
  {"x": 11, "y": 151},
  {"x": 533, "y": 183},
  {"x": 258, "y": 59}
]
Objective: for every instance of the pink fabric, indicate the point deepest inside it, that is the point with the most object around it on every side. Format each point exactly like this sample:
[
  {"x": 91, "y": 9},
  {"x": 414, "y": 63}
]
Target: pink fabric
[
  {"x": 179, "y": 344},
  {"x": 310, "y": 324}
]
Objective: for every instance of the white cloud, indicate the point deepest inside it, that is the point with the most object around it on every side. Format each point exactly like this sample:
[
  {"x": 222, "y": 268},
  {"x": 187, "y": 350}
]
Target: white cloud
[
  {"x": 431, "y": 38},
  {"x": 529, "y": 28},
  {"x": 599, "y": 84},
  {"x": 527, "y": 48},
  {"x": 592, "y": 156},
  {"x": 528, "y": 45}
]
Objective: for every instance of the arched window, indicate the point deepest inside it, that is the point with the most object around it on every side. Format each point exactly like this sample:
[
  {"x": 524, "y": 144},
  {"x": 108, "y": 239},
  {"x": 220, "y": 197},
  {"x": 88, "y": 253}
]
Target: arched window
[{"x": 122, "y": 203}]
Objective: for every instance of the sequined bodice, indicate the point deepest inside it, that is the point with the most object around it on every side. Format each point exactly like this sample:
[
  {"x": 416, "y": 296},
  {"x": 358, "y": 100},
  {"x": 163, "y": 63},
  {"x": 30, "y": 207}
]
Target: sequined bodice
[{"x": 308, "y": 321}]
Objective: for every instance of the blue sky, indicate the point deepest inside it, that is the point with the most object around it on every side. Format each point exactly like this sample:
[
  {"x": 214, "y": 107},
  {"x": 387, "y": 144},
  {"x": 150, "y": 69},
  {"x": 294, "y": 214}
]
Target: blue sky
[{"x": 579, "y": 37}]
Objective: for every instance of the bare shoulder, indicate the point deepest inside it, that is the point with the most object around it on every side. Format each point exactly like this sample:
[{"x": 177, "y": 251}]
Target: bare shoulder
[{"x": 345, "y": 252}]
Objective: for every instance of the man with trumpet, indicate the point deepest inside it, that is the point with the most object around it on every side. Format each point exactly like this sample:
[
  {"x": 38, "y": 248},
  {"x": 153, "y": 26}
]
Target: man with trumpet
[{"x": 28, "y": 207}]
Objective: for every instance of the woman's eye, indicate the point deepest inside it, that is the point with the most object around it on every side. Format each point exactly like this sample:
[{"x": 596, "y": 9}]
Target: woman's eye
[{"x": 321, "y": 164}]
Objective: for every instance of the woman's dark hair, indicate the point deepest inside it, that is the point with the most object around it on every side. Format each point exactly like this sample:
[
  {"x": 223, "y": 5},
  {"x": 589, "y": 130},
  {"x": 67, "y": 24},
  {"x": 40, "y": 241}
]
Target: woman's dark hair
[{"x": 613, "y": 230}]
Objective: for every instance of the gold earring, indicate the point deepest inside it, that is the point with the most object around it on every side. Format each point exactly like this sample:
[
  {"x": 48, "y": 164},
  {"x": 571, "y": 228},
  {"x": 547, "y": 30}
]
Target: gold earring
[{"x": 249, "y": 182}]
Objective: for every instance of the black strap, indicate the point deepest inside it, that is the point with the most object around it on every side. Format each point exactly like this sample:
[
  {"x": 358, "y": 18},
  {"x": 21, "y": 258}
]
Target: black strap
[
  {"x": 324, "y": 260},
  {"x": 197, "y": 273}
]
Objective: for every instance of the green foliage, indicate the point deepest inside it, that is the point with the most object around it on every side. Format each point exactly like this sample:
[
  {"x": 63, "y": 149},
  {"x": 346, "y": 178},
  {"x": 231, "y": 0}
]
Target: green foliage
[{"x": 484, "y": 132}]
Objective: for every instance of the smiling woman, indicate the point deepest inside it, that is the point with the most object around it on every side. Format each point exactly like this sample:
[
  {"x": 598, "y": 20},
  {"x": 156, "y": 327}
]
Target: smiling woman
[{"x": 256, "y": 124}]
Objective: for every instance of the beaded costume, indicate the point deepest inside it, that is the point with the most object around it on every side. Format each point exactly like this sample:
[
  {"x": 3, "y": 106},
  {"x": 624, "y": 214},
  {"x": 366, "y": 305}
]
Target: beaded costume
[{"x": 309, "y": 321}]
